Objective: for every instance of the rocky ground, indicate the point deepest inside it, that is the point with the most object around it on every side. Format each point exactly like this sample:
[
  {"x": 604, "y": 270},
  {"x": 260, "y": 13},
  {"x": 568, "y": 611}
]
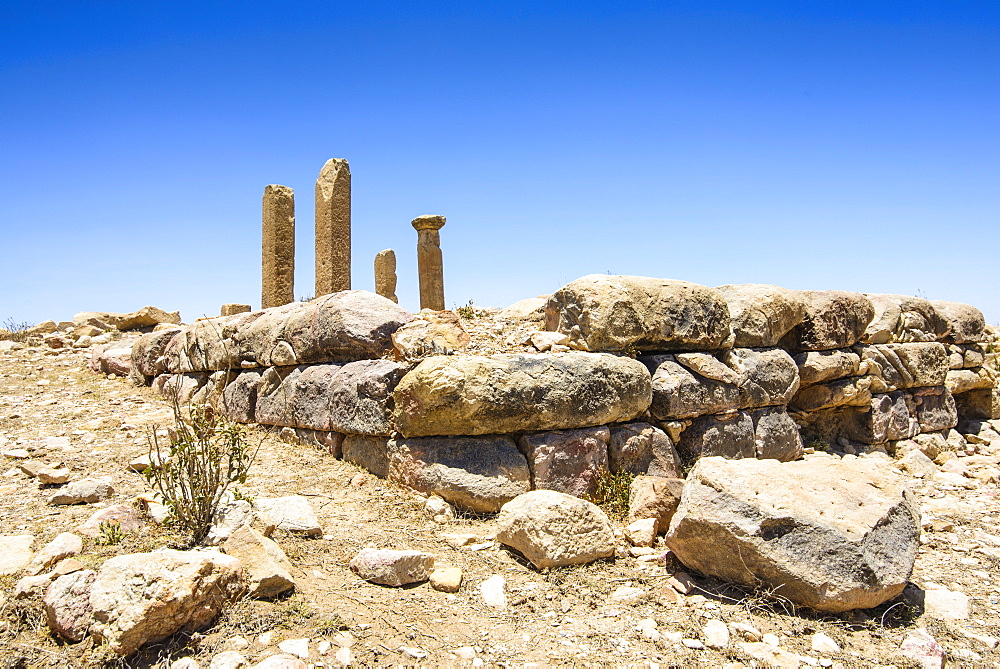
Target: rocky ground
[{"x": 639, "y": 608}]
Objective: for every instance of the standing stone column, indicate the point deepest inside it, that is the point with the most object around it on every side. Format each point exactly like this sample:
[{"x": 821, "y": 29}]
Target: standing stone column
[
  {"x": 430, "y": 266},
  {"x": 385, "y": 274},
  {"x": 333, "y": 227},
  {"x": 278, "y": 247}
]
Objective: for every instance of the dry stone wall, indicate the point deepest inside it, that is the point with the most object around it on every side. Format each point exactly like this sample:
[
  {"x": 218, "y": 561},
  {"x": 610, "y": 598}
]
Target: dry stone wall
[{"x": 651, "y": 372}]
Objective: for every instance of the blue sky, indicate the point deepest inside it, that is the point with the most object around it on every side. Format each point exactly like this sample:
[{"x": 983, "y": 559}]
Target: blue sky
[{"x": 814, "y": 145}]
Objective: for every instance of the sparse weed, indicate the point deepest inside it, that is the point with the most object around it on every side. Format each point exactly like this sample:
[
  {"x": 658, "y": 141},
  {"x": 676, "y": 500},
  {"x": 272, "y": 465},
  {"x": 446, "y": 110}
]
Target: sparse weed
[
  {"x": 612, "y": 493},
  {"x": 15, "y": 331},
  {"x": 206, "y": 453},
  {"x": 110, "y": 533},
  {"x": 469, "y": 310}
]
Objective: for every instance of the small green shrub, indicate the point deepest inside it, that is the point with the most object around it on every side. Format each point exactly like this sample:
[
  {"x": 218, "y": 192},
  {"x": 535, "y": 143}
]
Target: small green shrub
[
  {"x": 206, "y": 453},
  {"x": 470, "y": 311},
  {"x": 109, "y": 533},
  {"x": 612, "y": 493}
]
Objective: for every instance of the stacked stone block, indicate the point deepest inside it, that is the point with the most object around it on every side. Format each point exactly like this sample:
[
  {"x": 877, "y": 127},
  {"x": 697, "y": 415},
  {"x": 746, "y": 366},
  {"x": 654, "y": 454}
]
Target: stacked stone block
[{"x": 660, "y": 370}]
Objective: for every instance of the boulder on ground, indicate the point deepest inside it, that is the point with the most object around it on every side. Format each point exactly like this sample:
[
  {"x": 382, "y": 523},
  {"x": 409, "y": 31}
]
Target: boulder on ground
[
  {"x": 147, "y": 359},
  {"x": 966, "y": 324},
  {"x": 472, "y": 395},
  {"x": 640, "y": 448},
  {"x": 64, "y": 545},
  {"x": 833, "y": 319},
  {"x": 553, "y": 529},
  {"x": 68, "y": 610},
  {"x": 478, "y": 474},
  {"x": 761, "y": 314},
  {"x": 570, "y": 461},
  {"x": 830, "y": 534},
  {"x": 146, "y": 597},
  {"x": 392, "y": 567},
  {"x": 15, "y": 553},
  {"x": 654, "y": 497},
  {"x": 267, "y": 569},
  {"x": 614, "y": 313},
  {"x": 84, "y": 491}
]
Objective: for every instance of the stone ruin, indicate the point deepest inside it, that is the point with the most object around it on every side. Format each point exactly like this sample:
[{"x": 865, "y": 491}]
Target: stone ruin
[{"x": 635, "y": 375}]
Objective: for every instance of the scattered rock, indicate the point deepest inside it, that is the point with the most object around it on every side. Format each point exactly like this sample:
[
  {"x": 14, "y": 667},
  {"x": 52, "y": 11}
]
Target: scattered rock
[
  {"x": 944, "y": 604},
  {"x": 84, "y": 491},
  {"x": 921, "y": 647},
  {"x": 15, "y": 553},
  {"x": 716, "y": 634},
  {"x": 68, "y": 609},
  {"x": 267, "y": 568},
  {"x": 127, "y": 517},
  {"x": 296, "y": 647},
  {"x": 282, "y": 661},
  {"x": 641, "y": 532},
  {"x": 771, "y": 656},
  {"x": 293, "y": 513},
  {"x": 446, "y": 579},
  {"x": 654, "y": 497},
  {"x": 554, "y": 529},
  {"x": 823, "y": 643},
  {"x": 63, "y": 546},
  {"x": 392, "y": 567},
  {"x": 228, "y": 659},
  {"x": 492, "y": 590}
]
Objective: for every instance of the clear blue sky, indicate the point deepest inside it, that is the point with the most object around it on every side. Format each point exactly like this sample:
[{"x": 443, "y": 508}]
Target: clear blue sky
[{"x": 847, "y": 145}]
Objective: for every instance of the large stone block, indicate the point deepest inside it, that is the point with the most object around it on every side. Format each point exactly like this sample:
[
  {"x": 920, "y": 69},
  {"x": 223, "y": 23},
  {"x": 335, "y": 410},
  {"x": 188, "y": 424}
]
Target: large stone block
[
  {"x": 471, "y": 395},
  {"x": 852, "y": 391},
  {"x": 966, "y": 324},
  {"x": 730, "y": 435},
  {"x": 679, "y": 392},
  {"x": 352, "y": 398},
  {"x": 830, "y": 534},
  {"x": 761, "y": 314},
  {"x": 769, "y": 376},
  {"x": 478, "y": 474},
  {"x": 147, "y": 354},
  {"x": 909, "y": 365},
  {"x": 202, "y": 346},
  {"x": 933, "y": 408},
  {"x": 181, "y": 387},
  {"x": 901, "y": 318},
  {"x": 776, "y": 435},
  {"x": 640, "y": 448},
  {"x": 570, "y": 461},
  {"x": 822, "y": 366},
  {"x": 239, "y": 399},
  {"x": 613, "y": 313},
  {"x": 981, "y": 404},
  {"x": 833, "y": 319},
  {"x": 371, "y": 453},
  {"x": 961, "y": 381},
  {"x": 885, "y": 418}
]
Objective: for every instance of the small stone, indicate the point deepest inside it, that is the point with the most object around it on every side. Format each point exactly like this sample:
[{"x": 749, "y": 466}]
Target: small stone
[
  {"x": 647, "y": 628},
  {"x": 921, "y": 647},
  {"x": 446, "y": 579},
  {"x": 185, "y": 663},
  {"x": 15, "y": 553},
  {"x": 293, "y": 513},
  {"x": 238, "y": 643},
  {"x": 641, "y": 532},
  {"x": 281, "y": 661},
  {"x": 84, "y": 491},
  {"x": 297, "y": 647},
  {"x": 626, "y": 594},
  {"x": 413, "y": 652},
  {"x": 343, "y": 657},
  {"x": 228, "y": 659},
  {"x": 67, "y": 566},
  {"x": 682, "y": 583},
  {"x": 492, "y": 591},
  {"x": 391, "y": 567},
  {"x": 53, "y": 476},
  {"x": 465, "y": 653},
  {"x": 63, "y": 546},
  {"x": 716, "y": 634},
  {"x": 459, "y": 540},
  {"x": 16, "y": 453},
  {"x": 944, "y": 604},
  {"x": 824, "y": 643},
  {"x": 436, "y": 508},
  {"x": 265, "y": 639},
  {"x": 693, "y": 644},
  {"x": 771, "y": 656}
]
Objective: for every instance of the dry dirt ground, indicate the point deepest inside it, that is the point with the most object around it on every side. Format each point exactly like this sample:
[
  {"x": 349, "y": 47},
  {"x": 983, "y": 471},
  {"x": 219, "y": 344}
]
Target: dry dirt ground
[{"x": 559, "y": 617}]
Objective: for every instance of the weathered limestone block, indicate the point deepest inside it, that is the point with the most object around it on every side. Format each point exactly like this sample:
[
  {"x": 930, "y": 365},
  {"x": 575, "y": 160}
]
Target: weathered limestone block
[
  {"x": 776, "y": 436},
  {"x": 761, "y": 314},
  {"x": 570, "y": 461},
  {"x": 202, "y": 346},
  {"x": 478, "y": 474},
  {"x": 909, "y": 365},
  {"x": 68, "y": 611},
  {"x": 145, "y": 597},
  {"x": 470, "y": 395},
  {"x": 830, "y": 534},
  {"x": 822, "y": 366},
  {"x": 770, "y": 376},
  {"x": 613, "y": 313},
  {"x": 730, "y": 435},
  {"x": 232, "y": 309},
  {"x": 430, "y": 266},
  {"x": 886, "y": 418},
  {"x": 966, "y": 323},
  {"x": 267, "y": 569},
  {"x": 678, "y": 392},
  {"x": 966, "y": 356},
  {"x": 901, "y": 318},
  {"x": 211, "y": 393},
  {"x": 147, "y": 355},
  {"x": 391, "y": 567},
  {"x": 239, "y": 399},
  {"x": 278, "y": 247},
  {"x": 553, "y": 529},
  {"x": 853, "y": 391},
  {"x": 354, "y": 397},
  {"x": 385, "y": 274},
  {"x": 640, "y": 448},
  {"x": 143, "y": 318},
  {"x": 333, "y": 227},
  {"x": 529, "y": 309},
  {"x": 116, "y": 358},
  {"x": 960, "y": 381},
  {"x": 933, "y": 408},
  {"x": 833, "y": 319},
  {"x": 370, "y": 453},
  {"x": 259, "y": 336},
  {"x": 982, "y": 404},
  {"x": 430, "y": 333},
  {"x": 181, "y": 387}
]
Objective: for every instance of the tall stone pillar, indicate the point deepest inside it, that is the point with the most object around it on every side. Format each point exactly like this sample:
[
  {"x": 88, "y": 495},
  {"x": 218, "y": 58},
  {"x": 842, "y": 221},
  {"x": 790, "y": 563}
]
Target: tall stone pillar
[
  {"x": 430, "y": 266},
  {"x": 333, "y": 227},
  {"x": 385, "y": 274},
  {"x": 278, "y": 247}
]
